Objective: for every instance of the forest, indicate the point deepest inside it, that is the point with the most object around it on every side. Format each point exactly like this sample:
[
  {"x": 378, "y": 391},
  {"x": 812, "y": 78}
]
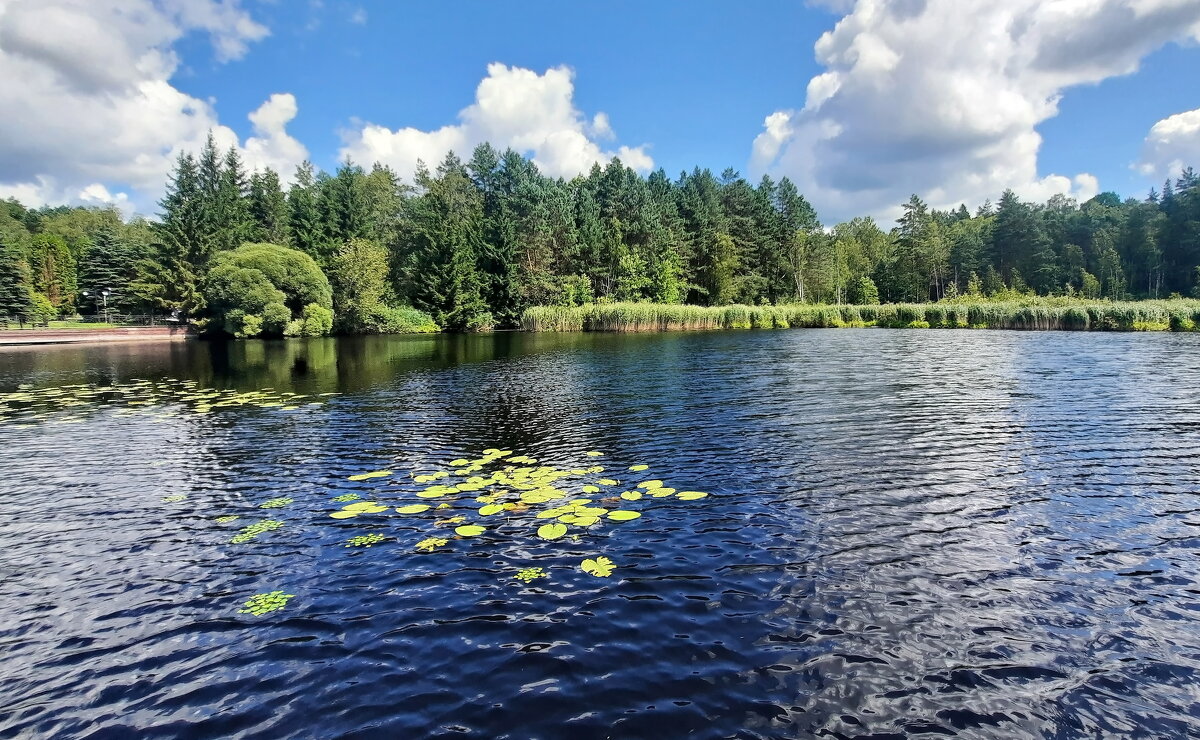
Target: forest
[{"x": 473, "y": 245}]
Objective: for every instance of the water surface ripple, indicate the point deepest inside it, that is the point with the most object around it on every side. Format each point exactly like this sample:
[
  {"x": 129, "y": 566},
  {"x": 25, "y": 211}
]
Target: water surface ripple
[{"x": 910, "y": 534}]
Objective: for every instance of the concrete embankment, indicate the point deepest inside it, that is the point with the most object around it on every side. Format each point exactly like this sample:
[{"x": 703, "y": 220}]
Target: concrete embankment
[{"x": 13, "y": 337}]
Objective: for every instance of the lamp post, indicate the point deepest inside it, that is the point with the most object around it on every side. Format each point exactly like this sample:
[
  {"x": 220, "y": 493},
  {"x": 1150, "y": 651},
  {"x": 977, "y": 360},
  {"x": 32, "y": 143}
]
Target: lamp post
[{"x": 104, "y": 297}]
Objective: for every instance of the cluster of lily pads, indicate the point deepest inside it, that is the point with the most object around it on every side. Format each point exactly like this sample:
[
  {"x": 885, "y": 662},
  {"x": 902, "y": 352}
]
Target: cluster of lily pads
[
  {"x": 162, "y": 399},
  {"x": 260, "y": 604},
  {"x": 501, "y": 488},
  {"x": 251, "y": 531},
  {"x": 499, "y": 494}
]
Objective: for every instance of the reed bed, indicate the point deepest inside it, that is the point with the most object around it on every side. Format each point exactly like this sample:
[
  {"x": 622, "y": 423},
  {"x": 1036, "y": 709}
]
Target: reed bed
[{"x": 1048, "y": 314}]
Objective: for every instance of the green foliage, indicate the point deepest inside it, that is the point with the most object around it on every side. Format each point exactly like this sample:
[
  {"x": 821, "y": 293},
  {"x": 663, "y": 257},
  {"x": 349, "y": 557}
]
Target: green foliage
[
  {"x": 16, "y": 291},
  {"x": 1022, "y": 312},
  {"x": 252, "y": 531},
  {"x": 260, "y": 604},
  {"x": 863, "y": 292},
  {"x": 475, "y": 245},
  {"x": 266, "y": 289}
]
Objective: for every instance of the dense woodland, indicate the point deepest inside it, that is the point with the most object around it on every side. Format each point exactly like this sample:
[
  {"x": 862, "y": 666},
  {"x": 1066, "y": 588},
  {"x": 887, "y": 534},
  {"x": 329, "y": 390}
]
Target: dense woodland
[{"x": 472, "y": 244}]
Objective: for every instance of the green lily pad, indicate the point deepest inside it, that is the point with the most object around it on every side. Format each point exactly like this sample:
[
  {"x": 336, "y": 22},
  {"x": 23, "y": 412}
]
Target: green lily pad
[
  {"x": 490, "y": 509},
  {"x": 600, "y": 567},
  {"x": 369, "y": 476},
  {"x": 650, "y": 484},
  {"x": 631, "y": 495},
  {"x": 469, "y": 530},
  {"x": 552, "y": 531},
  {"x": 690, "y": 495},
  {"x": 623, "y": 515},
  {"x": 636, "y": 468},
  {"x": 412, "y": 509}
]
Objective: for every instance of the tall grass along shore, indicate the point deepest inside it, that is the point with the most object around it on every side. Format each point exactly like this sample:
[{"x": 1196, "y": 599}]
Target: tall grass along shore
[{"x": 1034, "y": 314}]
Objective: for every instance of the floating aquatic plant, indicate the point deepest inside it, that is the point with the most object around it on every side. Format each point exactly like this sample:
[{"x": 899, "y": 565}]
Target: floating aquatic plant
[
  {"x": 275, "y": 503},
  {"x": 469, "y": 530},
  {"x": 594, "y": 453},
  {"x": 260, "y": 604},
  {"x": 365, "y": 540},
  {"x": 430, "y": 544},
  {"x": 600, "y": 567},
  {"x": 161, "y": 399},
  {"x": 622, "y": 515},
  {"x": 529, "y": 574},
  {"x": 226, "y": 518},
  {"x": 346, "y": 497},
  {"x": 174, "y": 498},
  {"x": 552, "y": 531},
  {"x": 369, "y": 476},
  {"x": 638, "y": 468},
  {"x": 412, "y": 508},
  {"x": 250, "y": 532},
  {"x": 357, "y": 508}
]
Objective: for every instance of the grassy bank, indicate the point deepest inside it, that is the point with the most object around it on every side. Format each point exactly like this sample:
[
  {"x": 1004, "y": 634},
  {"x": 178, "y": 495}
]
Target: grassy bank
[{"x": 1032, "y": 314}]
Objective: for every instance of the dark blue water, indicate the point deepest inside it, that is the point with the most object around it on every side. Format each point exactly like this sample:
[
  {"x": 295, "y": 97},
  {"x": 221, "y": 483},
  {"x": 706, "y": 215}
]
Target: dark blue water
[{"x": 909, "y": 534}]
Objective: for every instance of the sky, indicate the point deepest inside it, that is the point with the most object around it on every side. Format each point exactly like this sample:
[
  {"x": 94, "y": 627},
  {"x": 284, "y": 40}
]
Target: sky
[{"x": 860, "y": 102}]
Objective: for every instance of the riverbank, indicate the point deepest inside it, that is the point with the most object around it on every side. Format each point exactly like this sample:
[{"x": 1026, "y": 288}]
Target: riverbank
[
  {"x": 17, "y": 337},
  {"x": 1034, "y": 314}
]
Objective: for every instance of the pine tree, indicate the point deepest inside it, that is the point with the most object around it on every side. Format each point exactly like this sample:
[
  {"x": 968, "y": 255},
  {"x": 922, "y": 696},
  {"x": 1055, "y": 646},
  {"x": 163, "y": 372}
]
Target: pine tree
[
  {"x": 16, "y": 293},
  {"x": 268, "y": 209},
  {"x": 304, "y": 215}
]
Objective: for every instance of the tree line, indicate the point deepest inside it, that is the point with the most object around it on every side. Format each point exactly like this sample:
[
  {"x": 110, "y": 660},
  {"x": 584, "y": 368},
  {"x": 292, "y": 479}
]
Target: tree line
[{"x": 473, "y": 244}]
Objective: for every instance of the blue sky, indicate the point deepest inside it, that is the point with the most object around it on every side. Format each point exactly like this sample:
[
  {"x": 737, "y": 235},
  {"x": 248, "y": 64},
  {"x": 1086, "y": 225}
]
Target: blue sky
[{"x": 916, "y": 105}]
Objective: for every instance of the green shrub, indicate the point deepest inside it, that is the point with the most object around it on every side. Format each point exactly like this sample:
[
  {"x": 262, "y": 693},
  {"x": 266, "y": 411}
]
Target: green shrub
[
  {"x": 262, "y": 289},
  {"x": 400, "y": 320}
]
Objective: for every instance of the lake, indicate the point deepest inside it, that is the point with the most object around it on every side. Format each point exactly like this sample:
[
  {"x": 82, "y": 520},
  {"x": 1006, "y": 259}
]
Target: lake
[{"x": 907, "y": 534}]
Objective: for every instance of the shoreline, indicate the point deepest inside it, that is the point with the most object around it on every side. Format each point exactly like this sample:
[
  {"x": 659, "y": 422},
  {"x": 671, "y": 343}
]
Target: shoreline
[{"x": 36, "y": 337}]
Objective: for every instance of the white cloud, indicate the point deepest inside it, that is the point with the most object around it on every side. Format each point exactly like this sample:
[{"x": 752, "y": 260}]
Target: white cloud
[
  {"x": 514, "y": 107},
  {"x": 359, "y": 17},
  {"x": 942, "y": 97},
  {"x": 90, "y": 112},
  {"x": 1172, "y": 144},
  {"x": 272, "y": 146}
]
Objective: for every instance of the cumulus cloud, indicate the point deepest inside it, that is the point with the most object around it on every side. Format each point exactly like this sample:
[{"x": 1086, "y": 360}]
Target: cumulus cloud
[
  {"x": 1172, "y": 144},
  {"x": 514, "y": 107},
  {"x": 942, "y": 97},
  {"x": 90, "y": 113}
]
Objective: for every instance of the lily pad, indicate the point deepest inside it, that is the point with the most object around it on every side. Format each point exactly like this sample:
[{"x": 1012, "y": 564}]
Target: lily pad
[
  {"x": 690, "y": 495},
  {"x": 490, "y": 509},
  {"x": 594, "y": 453},
  {"x": 623, "y": 515},
  {"x": 637, "y": 468},
  {"x": 412, "y": 509},
  {"x": 552, "y": 531},
  {"x": 631, "y": 495},
  {"x": 369, "y": 476},
  {"x": 600, "y": 567},
  {"x": 469, "y": 530},
  {"x": 650, "y": 484}
]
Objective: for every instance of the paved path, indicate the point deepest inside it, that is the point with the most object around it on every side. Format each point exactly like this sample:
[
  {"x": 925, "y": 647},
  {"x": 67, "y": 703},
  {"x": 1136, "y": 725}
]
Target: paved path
[{"x": 78, "y": 336}]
